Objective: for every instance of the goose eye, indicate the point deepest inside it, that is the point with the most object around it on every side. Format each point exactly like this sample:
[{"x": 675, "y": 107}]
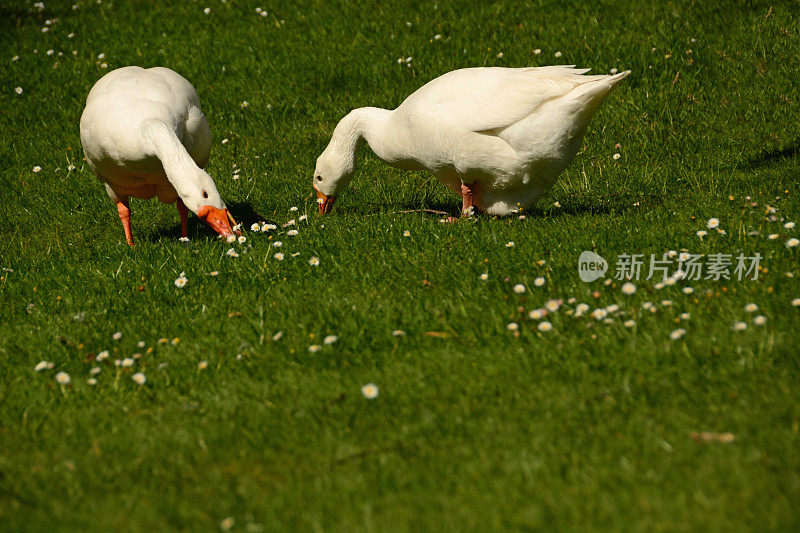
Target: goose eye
[
  {"x": 205, "y": 194},
  {"x": 319, "y": 178}
]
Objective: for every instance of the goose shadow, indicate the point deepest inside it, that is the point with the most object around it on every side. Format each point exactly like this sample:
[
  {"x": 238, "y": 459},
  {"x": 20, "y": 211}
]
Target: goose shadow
[
  {"x": 574, "y": 205},
  {"x": 243, "y": 212},
  {"x": 770, "y": 157}
]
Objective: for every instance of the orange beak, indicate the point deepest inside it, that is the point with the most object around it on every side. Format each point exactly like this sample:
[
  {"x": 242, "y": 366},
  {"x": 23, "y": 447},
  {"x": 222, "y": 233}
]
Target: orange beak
[
  {"x": 220, "y": 220},
  {"x": 325, "y": 202}
]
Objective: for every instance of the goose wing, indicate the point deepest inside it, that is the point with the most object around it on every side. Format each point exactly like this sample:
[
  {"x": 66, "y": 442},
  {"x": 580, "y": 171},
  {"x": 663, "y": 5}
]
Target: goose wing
[{"x": 492, "y": 98}]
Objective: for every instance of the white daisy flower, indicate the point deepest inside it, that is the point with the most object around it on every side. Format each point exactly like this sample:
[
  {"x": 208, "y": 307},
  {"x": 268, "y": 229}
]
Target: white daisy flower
[
  {"x": 581, "y": 309},
  {"x": 544, "y": 326},
  {"x": 616, "y": 156},
  {"x": 687, "y": 290},
  {"x": 739, "y": 326},
  {"x": 628, "y": 288},
  {"x": 314, "y": 261},
  {"x": 666, "y": 303},
  {"x": 759, "y": 320},
  {"x": 510, "y": 244},
  {"x": 18, "y": 90},
  {"x": 772, "y": 236},
  {"x": 230, "y": 239},
  {"x": 184, "y": 239},
  {"x": 537, "y": 314},
  {"x": 94, "y": 371},
  {"x": 539, "y": 281},
  {"x": 330, "y": 339},
  {"x": 557, "y": 54},
  {"x": 301, "y": 218},
  {"x": 629, "y": 323},
  {"x": 712, "y": 223},
  {"x": 277, "y": 244},
  {"x": 398, "y": 333},
  {"x": 599, "y": 314},
  {"x": 677, "y": 334},
  {"x": 685, "y": 316},
  {"x": 279, "y": 256},
  {"x": 242, "y": 239},
  {"x": 370, "y": 391},
  {"x": 207, "y": 10},
  {"x": 613, "y": 308},
  {"x": 268, "y": 227},
  {"x": 512, "y": 326},
  {"x": 796, "y": 302},
  {"x": 231, "y": 253},
  {"x": 255, "y": 226},
  {"x": 181, "y": 281},
  {"x": 484, "y": 276},
  {"x": 91, "y": 381},
  {"x": 519, "y": 288},
  {"x": 102, "y": 356},
  {"x": 789, "y": 225},
  {"x": 127, "y": 362},
  {"x": 552, "y": 305},
  {"x": 37, "y": 168},
  {"x": 537, "y": 51},
  {"x": 202, "y": 365},
  {"x": 750, "y": 308},
  {"x": 42, "y": 365},
  {"x": 702, "y": 233},
  {"x": 406, "y": 233},
  {"x": 792, "y": 243},
  {"x": 314, "y": 348},
  {"x": 63, "y": 378},
  {"x": 139, "y": 378},
  {"x": 292, "y": 232},
  {"x": 291, "y": 223}
]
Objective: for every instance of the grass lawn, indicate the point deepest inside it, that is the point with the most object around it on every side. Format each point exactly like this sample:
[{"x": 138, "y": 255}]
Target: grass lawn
[{"x": 476, "y": 426}]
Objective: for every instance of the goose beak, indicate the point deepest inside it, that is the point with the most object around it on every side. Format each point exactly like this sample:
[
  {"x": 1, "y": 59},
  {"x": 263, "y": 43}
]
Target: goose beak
[
  {"x": 220, "y": 220},
  {"x": 325, "y": 202}
]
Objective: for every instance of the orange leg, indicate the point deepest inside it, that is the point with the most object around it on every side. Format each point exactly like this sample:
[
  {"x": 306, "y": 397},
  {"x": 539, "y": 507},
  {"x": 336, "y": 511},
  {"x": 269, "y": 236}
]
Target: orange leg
[
  {"x": 468, "y": 193},
  {"x": 184, "y": 213},
  {"x": 125, "y": 216}
]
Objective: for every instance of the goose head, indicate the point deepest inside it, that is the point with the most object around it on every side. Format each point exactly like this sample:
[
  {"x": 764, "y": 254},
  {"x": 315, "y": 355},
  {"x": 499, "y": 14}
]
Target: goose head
[
  {"x": 337, "y": 163},
  {"x": 200, "y": 195},
  {"x": 332, "y": 174}
]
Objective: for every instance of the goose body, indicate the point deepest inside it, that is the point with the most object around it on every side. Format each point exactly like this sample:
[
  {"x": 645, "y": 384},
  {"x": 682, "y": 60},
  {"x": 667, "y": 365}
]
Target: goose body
[
  {"x": 499, "y": 137},
  {"x": 144, "y": 136}
]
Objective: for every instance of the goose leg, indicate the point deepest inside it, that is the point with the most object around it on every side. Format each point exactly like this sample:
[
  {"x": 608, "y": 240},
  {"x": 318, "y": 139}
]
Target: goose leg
[
  {"x": 469, "y": 191},
  {"x": 184, "y": 213},
  {"x": 125, "y": 216}
]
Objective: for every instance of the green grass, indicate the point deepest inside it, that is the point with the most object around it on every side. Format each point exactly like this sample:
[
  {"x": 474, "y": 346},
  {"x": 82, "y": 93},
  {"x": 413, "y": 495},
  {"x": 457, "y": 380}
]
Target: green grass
[{"x": 587, "y": 426}]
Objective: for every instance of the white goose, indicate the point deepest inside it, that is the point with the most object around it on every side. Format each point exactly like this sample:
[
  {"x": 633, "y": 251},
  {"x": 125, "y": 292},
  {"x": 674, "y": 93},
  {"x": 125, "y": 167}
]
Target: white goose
[
  {"x": 498, "y": 137},
  {"x": 144, "y": 135}
]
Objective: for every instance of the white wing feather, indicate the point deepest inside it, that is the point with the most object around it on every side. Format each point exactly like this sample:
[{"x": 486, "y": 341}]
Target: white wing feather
[{"x": 492, "y": 98}]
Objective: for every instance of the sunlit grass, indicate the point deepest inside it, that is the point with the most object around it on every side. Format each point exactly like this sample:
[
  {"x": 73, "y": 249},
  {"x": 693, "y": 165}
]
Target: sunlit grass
[{"x": 475, "y": 426}]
